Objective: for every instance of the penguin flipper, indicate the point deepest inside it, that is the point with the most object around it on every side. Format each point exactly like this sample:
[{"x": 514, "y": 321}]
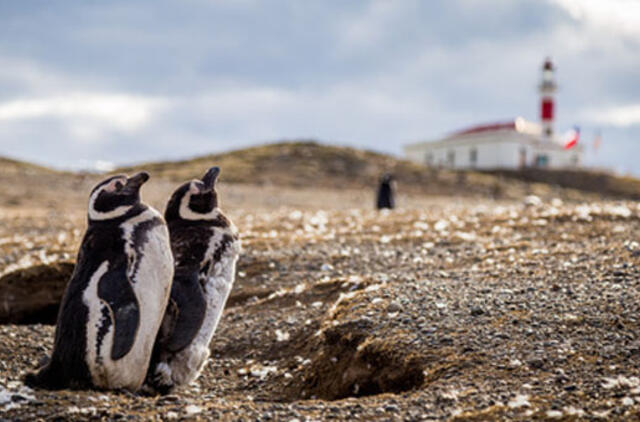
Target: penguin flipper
[
  {"x": 168, "y": 322},
  {"x": 188, "y": 311},
  {"x": 114, "y": 288}
]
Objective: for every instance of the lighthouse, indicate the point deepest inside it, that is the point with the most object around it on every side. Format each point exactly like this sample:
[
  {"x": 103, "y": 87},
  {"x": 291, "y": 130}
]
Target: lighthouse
[
  {"x": 547, "y": 90},
  {"x": 508, "y": 144}
]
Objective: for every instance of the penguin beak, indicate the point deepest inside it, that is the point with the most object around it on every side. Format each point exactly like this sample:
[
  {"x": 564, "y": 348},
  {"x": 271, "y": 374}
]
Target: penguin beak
[
  {"x": 209, "y": 179},
  {"x": 134, "y": 182}
]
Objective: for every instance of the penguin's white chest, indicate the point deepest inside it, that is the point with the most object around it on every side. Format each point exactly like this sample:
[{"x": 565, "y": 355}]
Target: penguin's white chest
[
  {"x": 188, "y": 363},
  {"x": 149, "y": 272}
]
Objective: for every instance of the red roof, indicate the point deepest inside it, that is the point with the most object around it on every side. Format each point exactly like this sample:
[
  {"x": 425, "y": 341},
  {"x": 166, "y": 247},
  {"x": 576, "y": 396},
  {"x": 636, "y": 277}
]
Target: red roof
[{"x": 510, "y": 125}]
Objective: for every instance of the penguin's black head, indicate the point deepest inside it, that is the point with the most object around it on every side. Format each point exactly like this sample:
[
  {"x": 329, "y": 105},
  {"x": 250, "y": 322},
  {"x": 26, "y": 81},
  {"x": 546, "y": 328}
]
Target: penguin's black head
[
  {"x": 195, "y": 200},
  {"x": 115, "y": 196}
]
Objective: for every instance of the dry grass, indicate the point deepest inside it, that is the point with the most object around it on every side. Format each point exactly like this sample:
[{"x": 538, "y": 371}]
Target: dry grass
[{"x": 312, "y": 165}]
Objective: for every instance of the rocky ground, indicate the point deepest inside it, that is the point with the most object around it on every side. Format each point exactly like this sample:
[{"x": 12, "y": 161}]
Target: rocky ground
[{"x": 446, "y": 309}]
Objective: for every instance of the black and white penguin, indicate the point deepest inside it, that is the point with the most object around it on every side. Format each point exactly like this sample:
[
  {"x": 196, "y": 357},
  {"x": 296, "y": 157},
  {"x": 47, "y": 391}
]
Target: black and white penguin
[
  {"x": 385, "y": 198},
  {"x": 113, "y": 305},
  {"x": 205, "y": 246}
]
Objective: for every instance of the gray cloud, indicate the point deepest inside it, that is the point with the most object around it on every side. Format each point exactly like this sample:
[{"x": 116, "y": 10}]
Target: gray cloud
[{"x": 132, "y": 81}]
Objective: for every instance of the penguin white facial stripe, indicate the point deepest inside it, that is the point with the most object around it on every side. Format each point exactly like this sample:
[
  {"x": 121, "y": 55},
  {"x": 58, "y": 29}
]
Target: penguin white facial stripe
[
  {"x": 193, "y": 188},
  {"x": 188, "y": 214},
  {"x": 115, "y": 213},
  {"x": 111, "y": 186}
]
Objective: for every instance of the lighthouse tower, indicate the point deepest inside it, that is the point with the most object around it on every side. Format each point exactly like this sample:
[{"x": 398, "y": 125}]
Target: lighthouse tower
[{"x": 547, "y": 89}]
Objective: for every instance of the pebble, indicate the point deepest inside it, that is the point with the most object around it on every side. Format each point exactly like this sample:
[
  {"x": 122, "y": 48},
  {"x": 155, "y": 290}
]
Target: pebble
[
  {"x": 477, "y": 311},
  {"x": 554, "y": 414},
  {"x": 521, "y": 400},
  {"x": 192, "y": 409},
  {"x": 466, "y": 311}
]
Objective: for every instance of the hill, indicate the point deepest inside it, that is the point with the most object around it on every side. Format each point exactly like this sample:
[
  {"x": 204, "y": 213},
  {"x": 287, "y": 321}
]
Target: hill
[
  {"x": 305, "y": 165},
  {"x": 310, "y": 164},
  {"x": 31, "y": 185},
  {"x": 602, "y": 183},
  {"x": 11, "y": 166}
]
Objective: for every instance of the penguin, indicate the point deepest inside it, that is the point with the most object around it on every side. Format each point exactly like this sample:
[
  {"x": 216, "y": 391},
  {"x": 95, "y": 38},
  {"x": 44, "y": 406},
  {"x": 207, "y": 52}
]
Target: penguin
[
  {"x": 114, "y": 302},
  {"x": 385, "y": 192},
  {"x": 205, "y": 247}
]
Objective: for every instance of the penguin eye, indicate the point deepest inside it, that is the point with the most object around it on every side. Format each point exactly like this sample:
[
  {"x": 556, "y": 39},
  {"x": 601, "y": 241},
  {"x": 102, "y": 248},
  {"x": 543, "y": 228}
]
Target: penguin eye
[{"x": 119, "y": 185}]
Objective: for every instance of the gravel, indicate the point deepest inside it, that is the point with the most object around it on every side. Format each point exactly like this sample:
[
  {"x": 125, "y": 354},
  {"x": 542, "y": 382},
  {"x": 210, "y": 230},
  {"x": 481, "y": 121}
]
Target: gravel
[{"x": 442, "y": 310}]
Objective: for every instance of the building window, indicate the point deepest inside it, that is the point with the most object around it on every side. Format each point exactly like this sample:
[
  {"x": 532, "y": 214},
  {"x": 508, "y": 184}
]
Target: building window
[
  {"x": 523, "y": 158},
  {"x": 542, "y": 160},
  {"x": 473, "y": 157},
  {"x": 451, "y": 158},
  {"x": 428, "y": 158}
]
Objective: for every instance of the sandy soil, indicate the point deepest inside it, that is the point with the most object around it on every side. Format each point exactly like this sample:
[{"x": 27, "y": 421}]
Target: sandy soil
[{"x": 446, "y": 309}]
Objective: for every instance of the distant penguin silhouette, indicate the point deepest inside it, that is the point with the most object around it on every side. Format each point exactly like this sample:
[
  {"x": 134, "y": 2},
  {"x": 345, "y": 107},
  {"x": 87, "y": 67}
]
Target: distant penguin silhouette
[
  {"x": 205, "y": 245},
  {"x": 114, "y": 303},
  {"x": 386, "y": 193}
]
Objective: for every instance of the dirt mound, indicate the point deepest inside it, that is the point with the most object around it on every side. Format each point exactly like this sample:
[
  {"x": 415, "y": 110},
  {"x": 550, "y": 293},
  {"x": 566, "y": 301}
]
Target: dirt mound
[
  {"x": 32, "y": 295},
  {"x": 346, "y": 356},
  {"x": 350, "y": 361}
]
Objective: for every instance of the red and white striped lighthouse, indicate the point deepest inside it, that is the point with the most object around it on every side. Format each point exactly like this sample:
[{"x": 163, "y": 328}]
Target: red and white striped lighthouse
[{"x": 547, "y": 89}]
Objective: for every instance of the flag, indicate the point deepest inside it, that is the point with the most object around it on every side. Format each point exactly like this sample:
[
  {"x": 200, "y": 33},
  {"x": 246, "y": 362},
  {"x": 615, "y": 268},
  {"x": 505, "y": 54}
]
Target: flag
[
  {"x": 597, "y": 140},
  {"x": 571, "y": 138}
]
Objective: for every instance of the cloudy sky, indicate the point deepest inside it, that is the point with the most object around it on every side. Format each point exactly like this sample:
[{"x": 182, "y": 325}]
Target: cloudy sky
[{"x": 86, "y": 82}]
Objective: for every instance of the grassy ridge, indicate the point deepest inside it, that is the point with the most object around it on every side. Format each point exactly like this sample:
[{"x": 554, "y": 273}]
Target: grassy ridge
[
  {"x": 309, "y": 164},
  {"x": 11, "y": 166},
  {"x": 601, "y": 183},
  {"x": 313, "y": 165}
]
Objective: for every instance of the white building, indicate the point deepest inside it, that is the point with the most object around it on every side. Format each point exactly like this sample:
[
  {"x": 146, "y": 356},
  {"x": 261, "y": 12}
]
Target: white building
[{"x": 507, "y": 145}]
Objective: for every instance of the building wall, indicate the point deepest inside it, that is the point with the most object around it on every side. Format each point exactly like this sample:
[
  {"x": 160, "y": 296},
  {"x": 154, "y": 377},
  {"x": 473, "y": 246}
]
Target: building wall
[
  {"x": 487, "y": 155},
  {"x": 502, "y": 149},
  {"x": 562, "y": 158}
]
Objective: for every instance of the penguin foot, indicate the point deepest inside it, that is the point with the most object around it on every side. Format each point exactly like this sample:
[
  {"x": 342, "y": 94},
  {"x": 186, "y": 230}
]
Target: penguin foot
[
  {"x": 162, "y": 380},
  {"x": 44, "y": 379},
  {"x": 31, "y": 380},
  {"x": 147, "y": 390},
  {"x": 163, "y": 374}
]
